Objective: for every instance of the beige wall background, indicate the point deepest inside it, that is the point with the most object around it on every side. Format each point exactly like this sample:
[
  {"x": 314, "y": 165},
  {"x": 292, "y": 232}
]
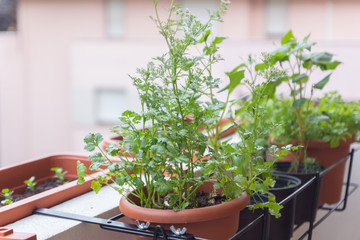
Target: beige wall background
[{"x": 64, "y": 68}]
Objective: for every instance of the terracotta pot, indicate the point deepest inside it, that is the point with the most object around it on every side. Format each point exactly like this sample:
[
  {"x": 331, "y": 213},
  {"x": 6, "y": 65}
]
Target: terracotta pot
[
  {"x": 326, "y": 156},
  {"x": 9, "y": 234},
  {"x": 215, "y": 222},
  {"x": 13, "y": 177}
]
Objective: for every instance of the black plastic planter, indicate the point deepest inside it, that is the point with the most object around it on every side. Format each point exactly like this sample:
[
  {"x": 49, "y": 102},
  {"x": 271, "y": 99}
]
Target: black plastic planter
[
  {"x": 305, "y": 199},
  {"x": 280, "y": 228}
]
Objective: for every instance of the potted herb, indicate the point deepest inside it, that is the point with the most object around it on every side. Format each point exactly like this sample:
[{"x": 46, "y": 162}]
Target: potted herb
[
  {"x": 252, "y": 134},
  {"x": 177, "y": 161},
  {"x": 299, "y": 65},
  {"x": 330, "y": 140}
]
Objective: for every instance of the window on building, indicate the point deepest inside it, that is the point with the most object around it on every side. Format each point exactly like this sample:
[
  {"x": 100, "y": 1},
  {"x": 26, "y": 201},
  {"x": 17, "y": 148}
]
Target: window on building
[
  {"x": 114, "y": 18},
  {"x": 276, "y": 17},
  {"x": 8, "y": 15}
]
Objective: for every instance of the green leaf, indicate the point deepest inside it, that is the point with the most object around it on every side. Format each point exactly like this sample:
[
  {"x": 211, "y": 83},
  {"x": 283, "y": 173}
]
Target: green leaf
[
  {"x": 96, "y": 186},
  {"x": 281, "y": 53},
  {"x": 330, "y": 66},
  {"x": 334, "y": 142},
  {"x": 163, "y": 187},
  {"x": 321, "y": 57},
  {"x": 321, "y": 84},
  {"x": 218, "y": 40},
  {"x": 299, "y": 102},
  {"x": 287, "y": 38},
  {"x": 92, "y": 140},
  {"x": 235, "y": 79},
  {"x": 96, "y": 157},
  {"x": 205, "y": 36},
  {"x": 300, "y": 77},
  {"x": 260, "y": 67},
  {"x": 81, "y": 172},
  {"x": 5, "y": 190}
]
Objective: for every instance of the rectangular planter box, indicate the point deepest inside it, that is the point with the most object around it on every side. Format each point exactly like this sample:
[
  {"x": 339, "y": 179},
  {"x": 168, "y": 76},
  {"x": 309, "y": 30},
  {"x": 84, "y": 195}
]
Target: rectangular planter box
[{"x": 13, "y": 177}]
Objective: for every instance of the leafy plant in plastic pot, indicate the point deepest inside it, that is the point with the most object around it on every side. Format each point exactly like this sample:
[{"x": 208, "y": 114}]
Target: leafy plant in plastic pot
[
  {"x": 295, "y": 111},
  {"x": 174, "y": 162}
]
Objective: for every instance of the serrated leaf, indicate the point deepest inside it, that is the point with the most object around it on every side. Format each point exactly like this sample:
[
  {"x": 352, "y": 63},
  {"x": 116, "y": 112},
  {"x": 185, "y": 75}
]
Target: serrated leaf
[
  {"x": 89, "y": 147},
  {"x": 299, "y": 102},
  {"x": 96, "y": 157},
  {"x": 321, "y": 84},
  {"x": 96, "y": 186},
  {"x": 81, "y": 172},
  {"x": 113, "y": 167}
]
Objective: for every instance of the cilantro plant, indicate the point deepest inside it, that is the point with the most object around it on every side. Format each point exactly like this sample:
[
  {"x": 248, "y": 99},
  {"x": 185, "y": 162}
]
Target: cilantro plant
[
  {"x": 173, "y": 138},
  {"x": 6, "y": 194},
  {"x": 177, "y": 97},
  {"x": 295, "y": 59},
  {"x": 59, "y": 174},
  {"x": 258, "y": 76},
  {"x": 31, "y": 183}
]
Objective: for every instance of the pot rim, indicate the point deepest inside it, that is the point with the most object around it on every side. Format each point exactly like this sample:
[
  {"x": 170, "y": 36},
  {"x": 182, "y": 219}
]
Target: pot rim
[{"x": 184, "y": 216}]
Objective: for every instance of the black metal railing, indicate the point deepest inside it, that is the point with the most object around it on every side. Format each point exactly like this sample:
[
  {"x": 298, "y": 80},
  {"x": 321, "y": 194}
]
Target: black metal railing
[{"x": 159, "y": 232}]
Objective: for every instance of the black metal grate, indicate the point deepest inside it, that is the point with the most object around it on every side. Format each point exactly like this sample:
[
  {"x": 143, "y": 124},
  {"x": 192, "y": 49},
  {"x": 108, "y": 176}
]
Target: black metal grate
[{"x": 159, "y": 232}]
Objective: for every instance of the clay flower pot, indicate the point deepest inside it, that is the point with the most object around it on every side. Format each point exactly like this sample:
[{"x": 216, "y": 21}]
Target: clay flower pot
[
  {"x": 9, "y": 234},
  {"x": 13, "y": 177},
  {"x": 326, "y": 156},
  {"x": 215, "y": 222}
]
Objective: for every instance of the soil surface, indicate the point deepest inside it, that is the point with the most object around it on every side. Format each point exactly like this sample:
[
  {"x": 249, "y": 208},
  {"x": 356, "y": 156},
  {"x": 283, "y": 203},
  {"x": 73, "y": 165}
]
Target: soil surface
[
  {"x": 202, "y": 200},
  {"x": 52, "y": 183}
]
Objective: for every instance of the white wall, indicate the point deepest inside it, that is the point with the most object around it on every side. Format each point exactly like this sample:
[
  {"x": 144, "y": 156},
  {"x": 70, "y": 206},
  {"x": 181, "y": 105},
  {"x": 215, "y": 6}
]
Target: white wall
[{"x": 13, "y": 135}]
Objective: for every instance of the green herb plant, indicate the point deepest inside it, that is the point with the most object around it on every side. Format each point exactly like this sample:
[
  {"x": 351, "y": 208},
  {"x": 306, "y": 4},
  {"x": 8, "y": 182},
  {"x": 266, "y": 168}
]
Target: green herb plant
[
  {"x": 59, "y": 174},
  {"x": 258, "y": 76},
  {"x": 169, "y": 148},
  {"x": 295, "y": 59},
  {"x": 340, "y": 119},
  {"x": 174, "y": 154},
  {"x": 31, "y": 183},
  {"x": 6, "y": 194}
]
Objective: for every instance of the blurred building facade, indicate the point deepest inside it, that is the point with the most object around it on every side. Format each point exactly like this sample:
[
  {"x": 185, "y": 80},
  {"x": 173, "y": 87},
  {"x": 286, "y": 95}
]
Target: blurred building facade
[{"x": 64, "y": 66}]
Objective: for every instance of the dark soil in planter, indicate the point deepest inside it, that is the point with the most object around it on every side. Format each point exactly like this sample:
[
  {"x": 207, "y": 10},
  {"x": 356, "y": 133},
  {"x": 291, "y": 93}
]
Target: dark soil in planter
[
  {"x": 203, "y": 199},
  {"x": 47, "y": 185}
]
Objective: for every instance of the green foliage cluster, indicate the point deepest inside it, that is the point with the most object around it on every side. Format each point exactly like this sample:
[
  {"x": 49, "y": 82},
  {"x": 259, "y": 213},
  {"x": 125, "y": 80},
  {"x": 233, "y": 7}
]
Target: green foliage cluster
[
  {"x": 59, "y": 174},
  {"x": 330, "y": 119},
  {"x": 333, "y": 119},
  {"x": 297, "y": 63},
  {"x": 6, "y": 195},
  {"x": 174, "y": 141},
  {"x": 31, "y": 183}
]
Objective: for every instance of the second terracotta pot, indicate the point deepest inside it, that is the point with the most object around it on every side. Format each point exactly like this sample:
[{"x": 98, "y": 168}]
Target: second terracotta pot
[
  {"x": 215, "y": 222},
  {"x": 326, "y": 156}
]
